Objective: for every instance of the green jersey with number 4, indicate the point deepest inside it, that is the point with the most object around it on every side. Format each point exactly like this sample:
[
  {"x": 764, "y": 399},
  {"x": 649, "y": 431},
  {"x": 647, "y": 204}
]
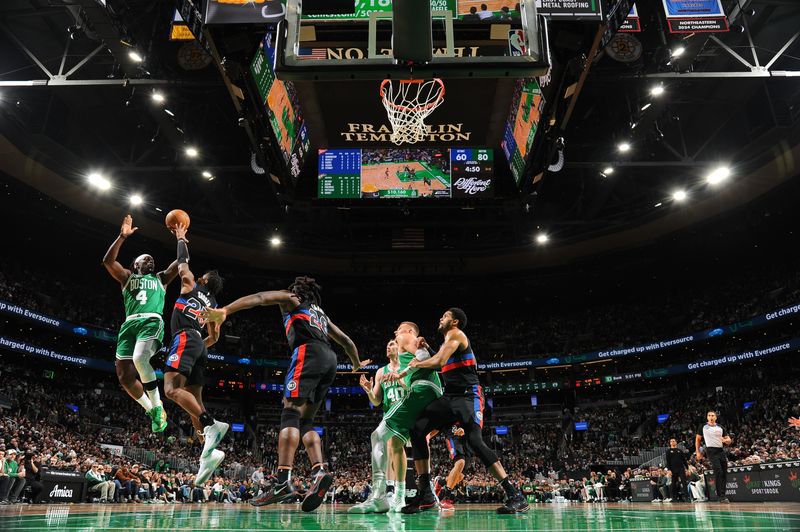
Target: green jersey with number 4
[
  {"x": 392, "y": 391},
  {"x": 143, "y": 294}
]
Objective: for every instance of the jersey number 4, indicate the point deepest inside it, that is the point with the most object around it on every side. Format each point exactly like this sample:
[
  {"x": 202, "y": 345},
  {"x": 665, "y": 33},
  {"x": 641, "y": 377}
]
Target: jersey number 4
[{"x": 141, "y": 297}]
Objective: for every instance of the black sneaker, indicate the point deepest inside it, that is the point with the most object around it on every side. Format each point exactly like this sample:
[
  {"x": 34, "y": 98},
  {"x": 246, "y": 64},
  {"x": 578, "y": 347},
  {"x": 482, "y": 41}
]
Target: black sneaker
[
  {"x": 514, "y": 505},
  {"x": 278, "y": 492},
  {"x": 316, "y": 494},
  {"x": 425, "y": 501},
  {"x": 724, "y": 500}
]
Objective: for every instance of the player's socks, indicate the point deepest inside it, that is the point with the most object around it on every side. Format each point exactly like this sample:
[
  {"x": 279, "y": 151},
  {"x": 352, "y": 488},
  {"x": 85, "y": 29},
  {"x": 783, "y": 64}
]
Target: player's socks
[
  {"x": 154, "y": 395},
  {"x": 284, "y": 474},
  {"x": 399, "y": 499},
  {"x": 509, "y": 488},
  {"x": 145, "y": 402}
]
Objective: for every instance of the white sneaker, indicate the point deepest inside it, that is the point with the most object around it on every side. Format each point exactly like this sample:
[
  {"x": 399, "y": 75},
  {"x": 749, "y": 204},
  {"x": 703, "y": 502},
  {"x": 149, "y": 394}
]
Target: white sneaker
[
  {"x": 396, "y": 504},
  {"x": 667, "y": 500},
  {"x": 377, "y": 505},
  {"x": 213, "y": 434},
  {"x": 208, "y": 466}
]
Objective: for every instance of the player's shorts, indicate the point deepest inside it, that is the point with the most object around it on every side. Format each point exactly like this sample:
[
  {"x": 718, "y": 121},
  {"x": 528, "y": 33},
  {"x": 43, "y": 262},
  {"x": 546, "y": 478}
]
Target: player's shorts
[
  {"x": 188, "y": 356},
  {"x": 458, "y": 449},
  {"x": 401, "y": 417},
  {"x": 467, "y": 407},
  {"x": 312, "y": 370},
  {"x": 138, "y": 330}
]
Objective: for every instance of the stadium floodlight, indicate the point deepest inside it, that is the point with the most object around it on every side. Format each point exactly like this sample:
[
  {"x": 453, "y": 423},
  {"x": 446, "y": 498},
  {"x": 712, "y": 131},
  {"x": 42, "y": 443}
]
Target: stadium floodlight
[
  {"x": 275, "y": 241},
  {"x": 658, "y": 90},
  {"x": 135, "y": 56},
  {"x": 718, "y": 175},
  {"x": 679, "y": 195},
  {"x": 542, "y": 238},
  {"x": 99, "y": 181},
  {"x": 624, "y": 147},
  {"x": 645, "y": 106},
  {"x": 208, "y": 175},
  {"x": 158, "y": 97},
  {"x": 192, "y": 152},
  {"x": 136, "y": 200},
  {"x": 679, "y": 51}
]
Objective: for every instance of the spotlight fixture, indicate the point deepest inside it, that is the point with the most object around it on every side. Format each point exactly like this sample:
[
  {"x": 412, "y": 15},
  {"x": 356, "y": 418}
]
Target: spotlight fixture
[
  {"x": 135, "y": 56},
  {"x": 658, "y": 204},
  {"x": 658, "y": 90},
  {"x": 679, "y": 51},
  {"x": 718, "y": 175},
  {"x": 645, "y": 106},
  {"x": 192, "y": 152},
  {"x": 99, "y": 181},
  {"x": 158, "y": 97},
  {"x": 624, "y": 147},
  {"x": 208, "y": 175},
  {"x": 170, "y": 113},
  {"x": 679, "y": 195},
  {"x": 608, "y": 170},
  {"x": 136, "y": 200},
  {"x": 542, "y": 238},
  {"x": 275, "y": 241}
]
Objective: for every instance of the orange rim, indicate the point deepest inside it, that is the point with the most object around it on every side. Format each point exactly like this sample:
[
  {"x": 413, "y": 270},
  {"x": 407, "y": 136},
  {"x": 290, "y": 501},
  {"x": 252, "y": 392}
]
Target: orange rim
[{"x": 391, "y": 104}]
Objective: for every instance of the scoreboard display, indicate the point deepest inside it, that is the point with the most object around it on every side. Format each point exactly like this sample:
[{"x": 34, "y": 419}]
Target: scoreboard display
[{"x": 405, "y": 173}]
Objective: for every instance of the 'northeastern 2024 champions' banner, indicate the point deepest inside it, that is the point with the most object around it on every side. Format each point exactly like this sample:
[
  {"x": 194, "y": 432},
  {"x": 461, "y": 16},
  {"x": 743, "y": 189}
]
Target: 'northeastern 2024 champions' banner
[{"x": 695, "y": 16}]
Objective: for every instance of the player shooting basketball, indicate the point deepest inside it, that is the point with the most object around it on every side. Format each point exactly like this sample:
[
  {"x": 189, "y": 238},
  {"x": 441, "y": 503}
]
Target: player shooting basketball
[{"x": 142, "y": 332}]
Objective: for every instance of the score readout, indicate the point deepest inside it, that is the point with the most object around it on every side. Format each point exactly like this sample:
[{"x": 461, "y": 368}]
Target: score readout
[
  {"x": 471, "y": 171},
  {"x": 339, "y": 174}
]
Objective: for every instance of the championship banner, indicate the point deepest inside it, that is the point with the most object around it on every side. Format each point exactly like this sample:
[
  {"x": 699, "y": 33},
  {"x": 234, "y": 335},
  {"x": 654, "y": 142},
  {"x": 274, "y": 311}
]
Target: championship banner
[
  {"x": 179, "y": 30},
  {"x": 695, "y": 16},
  {"x": 632, "y": 23},
  {"x": 570, "y": 9}
]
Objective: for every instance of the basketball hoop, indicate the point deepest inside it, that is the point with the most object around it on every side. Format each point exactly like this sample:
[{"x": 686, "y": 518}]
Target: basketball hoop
[{"x": 408, "y": 103}]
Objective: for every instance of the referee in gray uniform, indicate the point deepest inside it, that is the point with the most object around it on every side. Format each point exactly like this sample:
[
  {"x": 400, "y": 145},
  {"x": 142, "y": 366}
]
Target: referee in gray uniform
[{"x": 714, "y": 437}]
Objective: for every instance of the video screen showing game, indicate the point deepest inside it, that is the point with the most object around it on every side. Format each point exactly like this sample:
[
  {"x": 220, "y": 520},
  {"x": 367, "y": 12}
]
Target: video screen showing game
[
  {"x": 405, "y": 173},
  {"x": 522, "y": 125}
]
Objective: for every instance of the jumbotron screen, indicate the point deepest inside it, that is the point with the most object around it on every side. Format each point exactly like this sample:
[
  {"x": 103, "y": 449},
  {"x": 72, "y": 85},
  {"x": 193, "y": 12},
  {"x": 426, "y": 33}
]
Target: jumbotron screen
[{"x": 405, "y": 173}]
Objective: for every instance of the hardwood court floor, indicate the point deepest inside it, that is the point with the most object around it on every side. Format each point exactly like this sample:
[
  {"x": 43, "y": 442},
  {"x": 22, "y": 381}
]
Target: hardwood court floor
[{"x": 782, "y": 517}]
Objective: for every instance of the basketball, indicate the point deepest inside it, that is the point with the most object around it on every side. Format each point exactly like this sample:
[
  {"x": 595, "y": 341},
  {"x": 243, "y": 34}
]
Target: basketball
[{"x": 175, "y": 217}]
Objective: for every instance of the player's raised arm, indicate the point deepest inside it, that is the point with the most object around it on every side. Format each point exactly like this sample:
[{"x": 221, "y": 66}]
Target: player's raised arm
[
  {"x": 187, "y": 277},
  {"x": 169, "y": 275},
  {"x": 453, "y": 340},
  {"x": 374, "y": 391},
  {"x": 115, "y": 269},
  {"x": 213, "y": 334},
  {"x": 343, "y": 340},
  {"x": 284, "y": 298}
]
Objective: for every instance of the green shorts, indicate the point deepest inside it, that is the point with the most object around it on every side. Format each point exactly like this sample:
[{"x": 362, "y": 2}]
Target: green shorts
[
  {"x": 402, "y": 415},
  {"x": 138, "y": 330}
]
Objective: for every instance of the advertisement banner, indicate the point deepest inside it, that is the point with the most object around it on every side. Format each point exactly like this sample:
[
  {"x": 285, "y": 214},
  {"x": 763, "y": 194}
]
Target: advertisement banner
[
  {"x": 62, "y": 486},
  {"x": 116, "y": 450},
  {"x": 695, "y": 16},
  {"x": 641, "y": 491},
  {"x": 11, "y": 309},
  {"x": 570, "y": 9},
  {"x": 777, "y": 482}
]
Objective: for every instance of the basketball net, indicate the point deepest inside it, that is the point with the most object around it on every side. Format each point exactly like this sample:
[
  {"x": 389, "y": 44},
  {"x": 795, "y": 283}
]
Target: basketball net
[{"x": 408, "y": 103}]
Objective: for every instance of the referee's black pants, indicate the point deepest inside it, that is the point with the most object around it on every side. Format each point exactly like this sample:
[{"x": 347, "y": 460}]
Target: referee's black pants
[{"x": 719, "y": 463}]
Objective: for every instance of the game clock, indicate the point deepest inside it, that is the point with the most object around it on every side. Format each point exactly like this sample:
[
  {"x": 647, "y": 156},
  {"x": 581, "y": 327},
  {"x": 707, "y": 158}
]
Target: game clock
[{"x": 471, "y": 171}]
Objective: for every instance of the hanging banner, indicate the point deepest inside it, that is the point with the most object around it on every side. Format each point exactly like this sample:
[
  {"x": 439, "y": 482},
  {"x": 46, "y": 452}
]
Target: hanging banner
[
  {"x": 632, "y": 23},
  {"x": 569, "y": 9},
  {"x": 695, "y": 16}
]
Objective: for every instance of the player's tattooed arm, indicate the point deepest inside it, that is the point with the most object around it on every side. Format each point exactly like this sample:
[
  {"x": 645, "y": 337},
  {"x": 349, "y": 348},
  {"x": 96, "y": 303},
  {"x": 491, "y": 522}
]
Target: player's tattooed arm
[
  {"x": 213, "y": 334},
  {"x": 260, "y": 299},
  {"x": 115, "y": 269},
  {"x": 336, "y": 334},
  {"x": 452, "y": 342}
]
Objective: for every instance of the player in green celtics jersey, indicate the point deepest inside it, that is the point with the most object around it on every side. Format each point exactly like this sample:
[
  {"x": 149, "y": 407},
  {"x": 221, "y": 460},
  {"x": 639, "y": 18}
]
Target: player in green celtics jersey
[
  {"x": 423, "y": 388},
  {"x": 141, "y": 334},
  {"x": 385, "y": 393}
]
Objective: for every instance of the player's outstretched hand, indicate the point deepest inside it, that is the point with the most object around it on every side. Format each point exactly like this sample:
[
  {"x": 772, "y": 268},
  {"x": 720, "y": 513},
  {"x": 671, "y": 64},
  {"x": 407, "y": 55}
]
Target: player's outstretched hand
[
  {"x": 180, "y": 231},
  {"x": 458, "y": 432},
  {"x": 365, "y": 383},
  {"x": 218, "y": 315},
  {"x": 362, "y": 363},
  {"x": 127, "y": 228},
  {"x": 421, "y": 343},
  {"x": 795, "y": 422}
]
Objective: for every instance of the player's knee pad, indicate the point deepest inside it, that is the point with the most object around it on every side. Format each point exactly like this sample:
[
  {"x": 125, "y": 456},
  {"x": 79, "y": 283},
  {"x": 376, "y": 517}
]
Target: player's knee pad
[
  {"x": 290, "y": 418},
  {"x": 306, "y": 426}
]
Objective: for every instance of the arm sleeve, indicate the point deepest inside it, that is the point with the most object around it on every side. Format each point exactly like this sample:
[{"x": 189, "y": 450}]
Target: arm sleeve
[{"x": 183, "y": 252}]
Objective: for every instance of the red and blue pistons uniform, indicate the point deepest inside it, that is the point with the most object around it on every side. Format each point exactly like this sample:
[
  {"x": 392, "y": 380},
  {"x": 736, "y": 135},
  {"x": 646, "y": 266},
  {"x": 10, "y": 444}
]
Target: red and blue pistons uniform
[
  {"x": 457, "y": 447},
  {"x": 312, "y": 367},
  {"x": 187, "y": 353},
  {"x": 461, "y": 385}
]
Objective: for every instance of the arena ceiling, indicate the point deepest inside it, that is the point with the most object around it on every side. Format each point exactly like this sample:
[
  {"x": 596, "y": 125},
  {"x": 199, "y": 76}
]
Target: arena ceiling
[{"x": 72, "y": 102}]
